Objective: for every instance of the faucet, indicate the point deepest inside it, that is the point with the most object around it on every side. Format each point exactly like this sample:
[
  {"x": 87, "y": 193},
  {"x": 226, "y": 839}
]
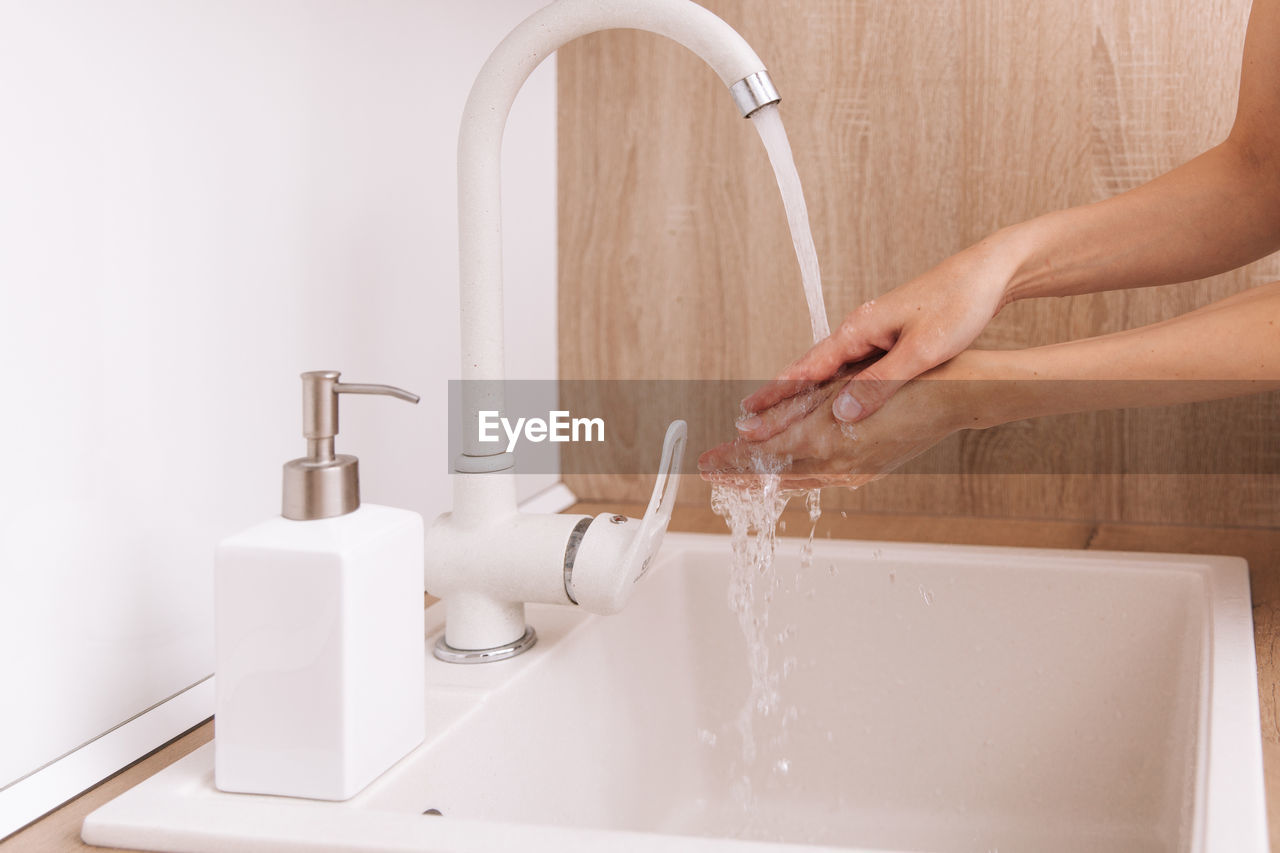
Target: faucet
[{"x": 486, "y": 559}]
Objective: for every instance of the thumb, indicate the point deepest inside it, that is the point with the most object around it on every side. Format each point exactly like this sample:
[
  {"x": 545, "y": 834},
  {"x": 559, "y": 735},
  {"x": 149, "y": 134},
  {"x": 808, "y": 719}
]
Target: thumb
[{"x": 870, "y": 389}]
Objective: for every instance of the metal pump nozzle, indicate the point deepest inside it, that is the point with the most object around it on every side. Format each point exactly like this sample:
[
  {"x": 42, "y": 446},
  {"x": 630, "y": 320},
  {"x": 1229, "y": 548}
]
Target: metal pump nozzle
[{"x": 324, "y": 484}]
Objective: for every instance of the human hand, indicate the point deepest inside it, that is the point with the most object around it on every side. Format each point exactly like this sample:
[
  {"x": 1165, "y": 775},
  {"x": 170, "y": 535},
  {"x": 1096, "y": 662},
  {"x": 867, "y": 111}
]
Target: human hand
[
  {"x": 816, "y": 450},
  {"x": 904, "y": 333}
]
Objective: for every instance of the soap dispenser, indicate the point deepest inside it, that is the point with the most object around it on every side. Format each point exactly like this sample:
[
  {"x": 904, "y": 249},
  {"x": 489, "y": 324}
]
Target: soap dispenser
[{"x": 319, "y": 621}]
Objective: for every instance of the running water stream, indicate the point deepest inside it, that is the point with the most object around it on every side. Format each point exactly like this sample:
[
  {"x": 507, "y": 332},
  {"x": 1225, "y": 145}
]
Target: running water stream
[
  {"x": 768, "y": 123},
  {"x": 752, "y": 507}
]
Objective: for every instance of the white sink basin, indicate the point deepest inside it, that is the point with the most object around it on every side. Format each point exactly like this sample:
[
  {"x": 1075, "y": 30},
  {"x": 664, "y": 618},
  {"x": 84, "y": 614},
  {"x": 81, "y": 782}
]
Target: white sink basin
[{"x": 946, "y": 699}]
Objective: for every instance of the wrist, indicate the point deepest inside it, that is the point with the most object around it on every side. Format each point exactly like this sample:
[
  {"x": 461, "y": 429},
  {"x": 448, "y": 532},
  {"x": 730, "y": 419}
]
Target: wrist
[
  {"x": 976, "y": 390},
  {"x": 1010, "y": 252}
]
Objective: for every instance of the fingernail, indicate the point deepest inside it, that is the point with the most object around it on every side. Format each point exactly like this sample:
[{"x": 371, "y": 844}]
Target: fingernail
[
  {"x": 846, "y": 408},
  {"x": 750, "y": 424}
]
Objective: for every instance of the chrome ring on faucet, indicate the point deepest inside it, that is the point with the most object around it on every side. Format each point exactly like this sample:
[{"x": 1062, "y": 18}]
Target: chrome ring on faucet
[
  {"x": 571, "y": 554},
  {"x": 449, "y": 654},
  {"x": 753, "y": 92}
]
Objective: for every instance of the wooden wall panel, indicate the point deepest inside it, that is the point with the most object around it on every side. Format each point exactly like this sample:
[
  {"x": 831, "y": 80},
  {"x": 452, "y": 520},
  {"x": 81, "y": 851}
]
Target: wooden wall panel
[{"x": 918, "y": 127}]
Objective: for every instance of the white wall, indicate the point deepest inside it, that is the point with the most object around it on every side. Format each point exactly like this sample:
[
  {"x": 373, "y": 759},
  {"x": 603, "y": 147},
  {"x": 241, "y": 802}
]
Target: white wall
[{"x": 198, "y": 201}]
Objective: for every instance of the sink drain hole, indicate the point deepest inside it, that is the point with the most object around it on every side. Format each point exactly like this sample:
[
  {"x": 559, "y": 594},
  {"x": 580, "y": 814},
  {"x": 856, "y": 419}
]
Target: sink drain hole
[{"x": 434, "y": 812}]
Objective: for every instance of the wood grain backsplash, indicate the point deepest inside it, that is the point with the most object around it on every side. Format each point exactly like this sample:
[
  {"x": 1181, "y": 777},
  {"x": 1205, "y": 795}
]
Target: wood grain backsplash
[{"x": 918, "y": 128}]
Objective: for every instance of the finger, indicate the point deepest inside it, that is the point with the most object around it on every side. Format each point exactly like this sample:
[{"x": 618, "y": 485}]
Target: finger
[
  {"x": 772, "y": 393},
  {"x": 730, "y": 456},
  {"x": 867, "y": 391},
  {"x": 774, "y": 420},
  {"x": 715, "y": 458},
  {"x": 738, "y": 472},
  {"x": 739, "y": 457},
  {"x": 736, "y": 479},
  {"x": 817, "y": 365},
  {"x": 799, "y": 482}
]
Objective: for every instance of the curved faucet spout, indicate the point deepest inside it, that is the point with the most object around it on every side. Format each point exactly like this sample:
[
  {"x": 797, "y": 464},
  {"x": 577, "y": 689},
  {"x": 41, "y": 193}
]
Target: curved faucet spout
[
  {"x": 486, "y": 558},
  {"x": 480, "y": 153}
]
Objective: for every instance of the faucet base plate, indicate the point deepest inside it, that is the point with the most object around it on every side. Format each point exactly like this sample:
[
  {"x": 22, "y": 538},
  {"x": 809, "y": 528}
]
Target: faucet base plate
[{"x": 449, "y": 654}]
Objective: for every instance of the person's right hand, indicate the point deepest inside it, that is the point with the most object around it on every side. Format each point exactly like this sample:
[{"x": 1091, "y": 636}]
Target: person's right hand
[{"x": 912, "y": 328}]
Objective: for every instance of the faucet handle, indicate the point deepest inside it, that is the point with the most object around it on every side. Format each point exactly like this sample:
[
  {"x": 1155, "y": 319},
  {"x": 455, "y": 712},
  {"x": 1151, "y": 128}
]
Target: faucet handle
[
  {"x": 661, "y": 503},
  {"x": 616, "y": 551}
]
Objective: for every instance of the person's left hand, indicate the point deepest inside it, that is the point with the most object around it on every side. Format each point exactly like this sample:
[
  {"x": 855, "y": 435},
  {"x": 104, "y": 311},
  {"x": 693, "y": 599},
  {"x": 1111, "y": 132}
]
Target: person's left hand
[{"x": 815, "y": 450}]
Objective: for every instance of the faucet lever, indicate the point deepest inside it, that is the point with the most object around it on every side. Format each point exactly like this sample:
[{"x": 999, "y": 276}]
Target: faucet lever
[
  {"x": 614, "y": 551},
  {"x": 661, "y": 503}
]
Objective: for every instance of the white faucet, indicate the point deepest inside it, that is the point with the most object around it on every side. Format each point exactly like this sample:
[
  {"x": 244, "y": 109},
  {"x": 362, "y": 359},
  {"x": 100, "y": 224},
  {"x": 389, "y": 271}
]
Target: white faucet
[{"x": 486, "y": 559}]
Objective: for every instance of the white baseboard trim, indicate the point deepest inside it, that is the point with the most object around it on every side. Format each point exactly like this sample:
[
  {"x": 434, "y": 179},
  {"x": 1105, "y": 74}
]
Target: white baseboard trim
[{"x": 43, "y": 791}]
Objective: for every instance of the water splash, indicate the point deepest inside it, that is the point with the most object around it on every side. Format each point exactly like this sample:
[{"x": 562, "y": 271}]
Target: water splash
[
  {"x": 751, "y": 510},
  {"x": 813, "y": 504}
]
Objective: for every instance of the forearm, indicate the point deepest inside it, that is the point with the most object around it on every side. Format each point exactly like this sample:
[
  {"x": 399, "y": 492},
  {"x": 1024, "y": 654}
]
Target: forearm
[
  {"x": 1213, "y": 214},
  {"x": 1225, "y": 349}
]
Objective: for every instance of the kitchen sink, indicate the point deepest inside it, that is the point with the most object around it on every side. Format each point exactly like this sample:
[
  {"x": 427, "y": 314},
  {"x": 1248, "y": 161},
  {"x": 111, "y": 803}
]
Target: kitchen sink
[{"x": 929, "y": 698}]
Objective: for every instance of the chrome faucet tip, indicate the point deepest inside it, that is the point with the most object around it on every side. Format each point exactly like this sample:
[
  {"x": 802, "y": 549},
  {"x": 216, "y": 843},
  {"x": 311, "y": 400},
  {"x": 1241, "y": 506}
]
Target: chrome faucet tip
[{"x": 753, "y": 92}]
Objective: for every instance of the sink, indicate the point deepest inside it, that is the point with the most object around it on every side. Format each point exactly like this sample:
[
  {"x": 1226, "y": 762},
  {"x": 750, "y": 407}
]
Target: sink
[{"x": 935, "y": 698}]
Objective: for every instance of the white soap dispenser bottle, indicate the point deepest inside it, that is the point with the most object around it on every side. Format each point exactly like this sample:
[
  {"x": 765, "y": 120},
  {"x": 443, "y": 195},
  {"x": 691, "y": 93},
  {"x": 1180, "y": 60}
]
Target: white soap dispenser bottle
[{"x": 319, "y": 620}]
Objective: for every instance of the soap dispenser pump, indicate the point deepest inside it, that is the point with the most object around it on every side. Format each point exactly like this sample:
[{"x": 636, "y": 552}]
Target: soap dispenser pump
[
  {"x": 323, "y": 484},
  {"x": 319, "y": 623}
]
